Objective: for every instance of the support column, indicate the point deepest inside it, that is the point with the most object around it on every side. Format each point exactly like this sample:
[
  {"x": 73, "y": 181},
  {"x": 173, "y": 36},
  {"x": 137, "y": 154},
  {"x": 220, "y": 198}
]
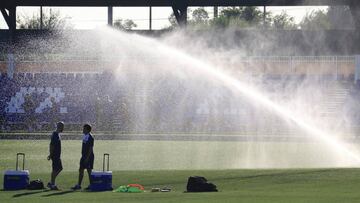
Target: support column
[
  {"x": 9, "y": 15},
  {"x": 216, "y": 10},
  {"x": 355, "y": 12},
  {"x": 41, "y": 18},
  {"x": 150, "y": 18},
  {"x": 180, "y": 12},
  {"x": 110, "y": 16},
  {"x": 357, "y": 69},
  {"x": 264, "y": 17},
  {"x": 11, "y": 66}
]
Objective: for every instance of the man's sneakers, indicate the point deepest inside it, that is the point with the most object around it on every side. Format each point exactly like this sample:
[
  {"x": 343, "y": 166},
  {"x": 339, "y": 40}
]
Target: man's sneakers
[
  {"x": 52, "y": 187},
  {"x": 76, "y": 187}
]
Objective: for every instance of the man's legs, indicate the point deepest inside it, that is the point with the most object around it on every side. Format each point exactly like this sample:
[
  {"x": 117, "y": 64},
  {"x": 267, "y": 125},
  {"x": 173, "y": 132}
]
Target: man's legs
[
  {"x": 56, "y": 169},
  {"x": 84, "y": 165},
  {"x": 81, "y": 175},
  {"x": 89, "y": 173},
  {"x": 54, "y": 174}
]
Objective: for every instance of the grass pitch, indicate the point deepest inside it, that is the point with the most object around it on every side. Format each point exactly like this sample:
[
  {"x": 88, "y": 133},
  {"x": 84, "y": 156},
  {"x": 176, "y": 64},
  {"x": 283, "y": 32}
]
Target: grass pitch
[{"x": 285, "y": 185}]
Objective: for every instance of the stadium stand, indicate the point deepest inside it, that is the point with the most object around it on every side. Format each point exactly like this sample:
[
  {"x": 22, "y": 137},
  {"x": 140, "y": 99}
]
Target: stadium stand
[
  {"x": 68, "y": 97},
  {"x": 167, "y": 104},
  {"x": 76, "y": 98}
]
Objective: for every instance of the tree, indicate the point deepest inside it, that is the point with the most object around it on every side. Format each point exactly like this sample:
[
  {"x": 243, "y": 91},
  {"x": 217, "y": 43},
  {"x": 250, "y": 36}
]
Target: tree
[
  {"x": 51, "y": 20},
  {"x": 248, "y": 16},
  {"x": 340, "y": 17},
  {"x": 199, "y": 18},
  {"x": 200, "y": 15},
  {"x": 172, "y": 20},
  {"x": 239, "y": 17},
  {"x": 283, "y": 21},
  {"x": 315, "y": 20},
  {"x": 124, "y": 24}
]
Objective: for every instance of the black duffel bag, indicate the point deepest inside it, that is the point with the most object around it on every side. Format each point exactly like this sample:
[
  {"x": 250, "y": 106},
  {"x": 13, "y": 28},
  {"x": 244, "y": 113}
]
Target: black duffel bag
[
  {"x": 200, "y": 184},
  {"x": 35, "y": 185}
]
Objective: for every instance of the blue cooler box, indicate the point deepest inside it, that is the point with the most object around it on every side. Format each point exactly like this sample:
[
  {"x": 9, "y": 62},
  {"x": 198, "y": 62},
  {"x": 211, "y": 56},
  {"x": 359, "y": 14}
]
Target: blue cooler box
[
  {"x": 16, "y": 180},
  {"x": 101, "y": 181}
]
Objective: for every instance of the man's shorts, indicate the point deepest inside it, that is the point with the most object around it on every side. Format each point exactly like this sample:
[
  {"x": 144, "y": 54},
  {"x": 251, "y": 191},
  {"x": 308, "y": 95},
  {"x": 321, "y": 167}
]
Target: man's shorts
[
  {"x": 56, "y": 164},
  {"x": 87, "y": 165}
]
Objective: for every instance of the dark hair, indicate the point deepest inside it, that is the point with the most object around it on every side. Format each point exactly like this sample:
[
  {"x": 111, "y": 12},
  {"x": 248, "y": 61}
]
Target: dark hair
[
  {"x": 59, "y": 124},
  {"x": 87, "y": 127}
]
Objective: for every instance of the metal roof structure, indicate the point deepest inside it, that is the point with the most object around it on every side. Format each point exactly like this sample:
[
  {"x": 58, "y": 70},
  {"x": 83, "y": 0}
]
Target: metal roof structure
[
  {"x": 8, "y": 7},
  {"x": 145, "y": 3}
]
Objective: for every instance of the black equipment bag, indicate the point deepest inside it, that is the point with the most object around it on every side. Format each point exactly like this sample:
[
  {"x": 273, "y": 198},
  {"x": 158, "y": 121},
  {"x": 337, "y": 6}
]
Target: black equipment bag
[
  {"x": 200, "y": 184},
  {"x": 35, "y": 185}
]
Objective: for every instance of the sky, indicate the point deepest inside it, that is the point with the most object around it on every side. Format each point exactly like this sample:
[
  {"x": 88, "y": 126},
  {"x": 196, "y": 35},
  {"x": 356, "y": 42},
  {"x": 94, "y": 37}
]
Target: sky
[{"x": 93, "y": 17}]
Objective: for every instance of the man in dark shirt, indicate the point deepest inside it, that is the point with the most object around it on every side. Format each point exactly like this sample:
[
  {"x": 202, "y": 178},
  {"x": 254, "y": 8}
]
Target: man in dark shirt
[
  {"x": 55, "y": 153},
  {"x": 87, "y": 156}
]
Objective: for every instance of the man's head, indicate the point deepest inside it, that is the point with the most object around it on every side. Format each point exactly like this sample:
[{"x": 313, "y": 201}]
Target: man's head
[
  {"x": 60, "y": 126},
  {"x": 86, "y": 129}
]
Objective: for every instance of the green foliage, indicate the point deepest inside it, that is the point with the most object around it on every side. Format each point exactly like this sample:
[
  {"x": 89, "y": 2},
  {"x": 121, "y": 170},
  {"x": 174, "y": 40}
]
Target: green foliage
[
  {"x": 52, "y": 20},
  {"x": 199, "y": 19},
  {"x": 239, "y": 17},
  {"x": 283, "y": 21},
  {"x": 124, "y": 24},
  {"x": 340, "y": 17},
  {"x": 172, "y": 20},
  {"x": 335, "y": 17},
  {"x": 315, "y": 20},
  {"x": 200, "y": 15}
]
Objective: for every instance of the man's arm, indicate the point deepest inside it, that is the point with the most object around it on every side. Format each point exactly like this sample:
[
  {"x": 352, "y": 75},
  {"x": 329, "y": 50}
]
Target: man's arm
[
  {"x": 90, "y": 151},
  {"x": 88, "y": 154},
  {"x": 51, "y": 147},
  {"x": 51, "y": 150}
]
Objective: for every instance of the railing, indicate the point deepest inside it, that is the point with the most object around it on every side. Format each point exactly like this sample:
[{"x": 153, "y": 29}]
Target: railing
[
  {"x": 334, "y": 66},
  {"x": 79, "y": 57}
]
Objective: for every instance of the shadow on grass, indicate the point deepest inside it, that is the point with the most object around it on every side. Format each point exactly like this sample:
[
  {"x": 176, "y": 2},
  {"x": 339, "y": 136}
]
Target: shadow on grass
[
  {"x": 30, "y": 193},
  {"x": 59, "y": 193}
]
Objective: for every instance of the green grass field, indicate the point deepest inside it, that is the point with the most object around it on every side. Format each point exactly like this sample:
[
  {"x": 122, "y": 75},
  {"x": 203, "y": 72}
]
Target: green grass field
[{"x": 153, "y": 164}]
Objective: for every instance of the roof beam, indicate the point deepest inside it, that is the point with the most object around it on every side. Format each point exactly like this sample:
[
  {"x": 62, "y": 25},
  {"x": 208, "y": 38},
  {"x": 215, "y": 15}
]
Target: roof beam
[
  {"x": 143, "y": 3},
  {"x": 6, "y": 16}
]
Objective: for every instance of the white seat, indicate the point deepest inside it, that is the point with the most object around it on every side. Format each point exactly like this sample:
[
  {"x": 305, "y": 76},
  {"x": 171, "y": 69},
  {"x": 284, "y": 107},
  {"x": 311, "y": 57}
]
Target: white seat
[
  {"x": 61, "y": 95},
  {"x": 18, "y": 94},
  {"x": 38, "y": 110},
  {"x": 52, "y": 94},
  {"x": 49, "y": 90},
  {"x": 31, "y": 89},
  {"x": 57, "y": 90},
  {"x": 20, "y": 111},
  {"x": 12, "y": 109},
  {"x": 40, "y": 90},
  {"x": 63, "y": 110},
  {"x": 23, "y": 89}
]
